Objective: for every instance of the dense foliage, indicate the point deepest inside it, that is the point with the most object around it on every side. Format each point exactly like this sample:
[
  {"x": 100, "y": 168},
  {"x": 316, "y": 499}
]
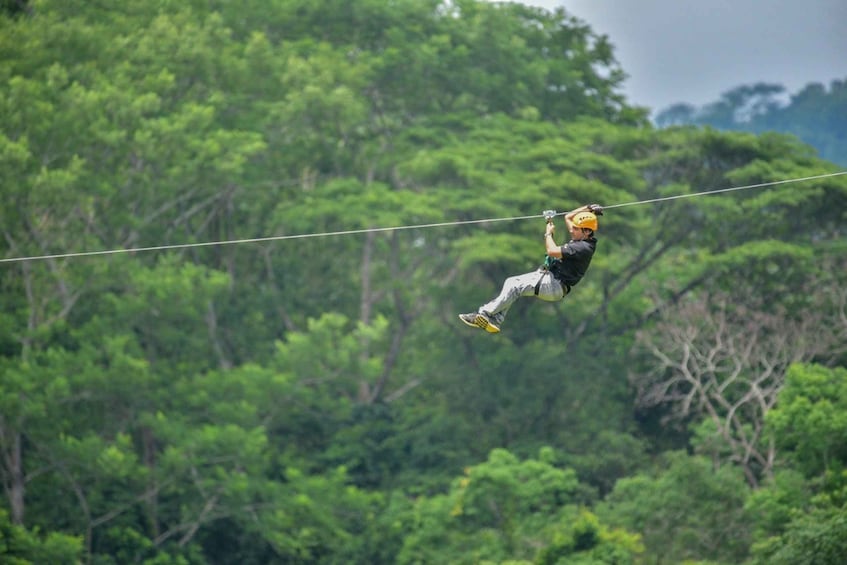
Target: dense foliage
[
  {"x": 315, "y": 399},
  {"x": 816, "y": 114}
]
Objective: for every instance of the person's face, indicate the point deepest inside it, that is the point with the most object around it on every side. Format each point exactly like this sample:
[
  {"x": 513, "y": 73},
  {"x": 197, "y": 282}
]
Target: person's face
[{"x": 577, "y": 233}]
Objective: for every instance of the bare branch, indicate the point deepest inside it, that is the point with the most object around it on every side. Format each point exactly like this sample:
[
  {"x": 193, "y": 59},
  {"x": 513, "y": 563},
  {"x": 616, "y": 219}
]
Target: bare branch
[{"x": 725, "y": 358}]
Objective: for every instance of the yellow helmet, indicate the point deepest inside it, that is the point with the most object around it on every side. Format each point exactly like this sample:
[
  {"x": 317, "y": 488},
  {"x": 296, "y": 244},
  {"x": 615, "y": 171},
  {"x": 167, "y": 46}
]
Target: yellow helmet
[{"x": 585, "y": 220}]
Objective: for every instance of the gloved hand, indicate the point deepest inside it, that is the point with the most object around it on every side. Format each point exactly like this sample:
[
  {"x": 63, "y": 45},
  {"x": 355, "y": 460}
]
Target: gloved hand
[{"x": 595, "y": 209}]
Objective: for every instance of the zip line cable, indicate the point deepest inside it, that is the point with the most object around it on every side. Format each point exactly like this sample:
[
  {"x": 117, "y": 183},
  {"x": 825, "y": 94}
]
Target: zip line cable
[
  {"x": 724, "y": 190},
  {"x": 394, "y": 228}
]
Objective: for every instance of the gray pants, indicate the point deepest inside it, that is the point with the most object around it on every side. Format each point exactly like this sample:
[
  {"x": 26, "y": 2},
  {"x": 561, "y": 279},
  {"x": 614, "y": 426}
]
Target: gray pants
[{"x": 549, "y": 290}]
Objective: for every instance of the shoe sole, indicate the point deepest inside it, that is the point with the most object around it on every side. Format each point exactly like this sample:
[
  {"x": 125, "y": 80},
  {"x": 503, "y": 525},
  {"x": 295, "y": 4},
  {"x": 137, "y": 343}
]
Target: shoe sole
[{"x": 472, "y": 324}]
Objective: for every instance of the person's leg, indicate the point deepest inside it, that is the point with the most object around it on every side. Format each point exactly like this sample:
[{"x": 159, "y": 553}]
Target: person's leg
[
  {"x": 550, "y": 289},
  {"x": 513, "y": 288},
  {"x": 491, "y": 315},
  {"x": 521, "y": 286}
]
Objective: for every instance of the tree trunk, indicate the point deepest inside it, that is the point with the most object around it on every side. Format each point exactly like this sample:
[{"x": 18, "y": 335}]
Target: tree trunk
[
  {"x": 152, "y": 498},
  {"x": 13, "y": 473}
]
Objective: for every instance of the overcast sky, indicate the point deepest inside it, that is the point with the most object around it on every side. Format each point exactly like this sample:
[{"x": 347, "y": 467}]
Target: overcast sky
[{"x": 695, "y": 50}]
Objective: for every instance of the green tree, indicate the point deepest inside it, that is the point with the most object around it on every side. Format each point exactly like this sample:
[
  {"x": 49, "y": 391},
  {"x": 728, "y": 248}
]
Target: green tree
[
  {"x": 819, "y": 536},
  {"x": 801, "y": 516},
  {"x": 15, "y": 7},
  {"x": 19, "y": 546},
  {"x": 688, "y": 510},
  {"x": 506, "y": 509},
  {"x": 810, "y": 420}
]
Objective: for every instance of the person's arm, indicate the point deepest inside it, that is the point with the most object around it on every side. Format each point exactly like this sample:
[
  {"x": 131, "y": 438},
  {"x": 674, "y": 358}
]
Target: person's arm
[{"x": 553, "y": 250}]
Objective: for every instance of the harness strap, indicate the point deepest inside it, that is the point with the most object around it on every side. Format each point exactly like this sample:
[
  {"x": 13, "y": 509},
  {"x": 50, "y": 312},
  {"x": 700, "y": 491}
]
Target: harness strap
[{"x": 566, "y": 288}]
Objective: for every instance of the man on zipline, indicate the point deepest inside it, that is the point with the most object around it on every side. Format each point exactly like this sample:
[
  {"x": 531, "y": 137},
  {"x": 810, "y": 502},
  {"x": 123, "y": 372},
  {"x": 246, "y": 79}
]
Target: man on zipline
[{"x": 563, "y": 268}]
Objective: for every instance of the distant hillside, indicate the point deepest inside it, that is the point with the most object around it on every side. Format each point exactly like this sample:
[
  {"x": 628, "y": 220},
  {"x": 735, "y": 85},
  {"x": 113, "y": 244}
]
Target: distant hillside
[{"x": 816, "y": 114}]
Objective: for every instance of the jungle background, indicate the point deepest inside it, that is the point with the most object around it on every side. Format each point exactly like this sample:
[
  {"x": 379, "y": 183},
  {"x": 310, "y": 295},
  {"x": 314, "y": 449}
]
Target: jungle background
[{"x": 316, "y": 400}]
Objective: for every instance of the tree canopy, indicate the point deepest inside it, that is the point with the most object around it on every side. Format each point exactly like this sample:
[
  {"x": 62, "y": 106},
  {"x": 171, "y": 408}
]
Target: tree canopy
[{"x": 315, "y": 400}]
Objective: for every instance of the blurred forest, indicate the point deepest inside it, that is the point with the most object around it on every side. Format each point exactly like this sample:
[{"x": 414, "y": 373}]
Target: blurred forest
[
  {"x": 316, "y": 400},
  {"x": 817, "y": 115}
]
